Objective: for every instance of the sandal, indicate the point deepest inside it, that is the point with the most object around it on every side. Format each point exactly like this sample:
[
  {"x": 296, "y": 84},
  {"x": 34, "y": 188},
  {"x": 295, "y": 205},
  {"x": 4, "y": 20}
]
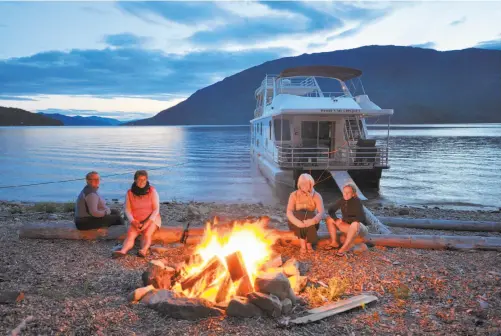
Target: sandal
[
  {"x": 117, "y": 254},
  {"x": 330, "y": 247},
  {"x": 142, "y": 255},
  {"x": 341, "y": 254}
]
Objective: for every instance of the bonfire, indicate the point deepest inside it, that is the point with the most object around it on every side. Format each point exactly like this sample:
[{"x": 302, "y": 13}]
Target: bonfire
[
  {"x": 233, "y": 268},
  {"x": 227, "y": 261}
]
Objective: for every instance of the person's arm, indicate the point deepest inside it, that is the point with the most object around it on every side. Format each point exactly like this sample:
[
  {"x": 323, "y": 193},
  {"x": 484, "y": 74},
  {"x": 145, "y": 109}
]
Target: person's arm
[
  {"x": 333, "y": 208},
  {"x": 156, "y": 206},
  {"x": 360, "y": 211},
  {"x": 290, "y": 211},
  {"x": 128, "y": 208},
  {"x": 319, "y": 202},
  {"x": 92, "y": 201}
]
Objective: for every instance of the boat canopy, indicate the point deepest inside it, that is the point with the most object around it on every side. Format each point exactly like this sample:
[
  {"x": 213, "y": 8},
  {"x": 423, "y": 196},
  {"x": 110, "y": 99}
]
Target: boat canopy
[{"x": 328, "y": 71}]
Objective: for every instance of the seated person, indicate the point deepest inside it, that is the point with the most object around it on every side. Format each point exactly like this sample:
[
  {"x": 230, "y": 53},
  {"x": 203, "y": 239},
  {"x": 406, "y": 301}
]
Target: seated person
[
  {"x": 142, "y": 208},
  {"x": 351, "y": 222},
  {"x": 304, "y": 212},
  {"x": 91, "y": 211}
]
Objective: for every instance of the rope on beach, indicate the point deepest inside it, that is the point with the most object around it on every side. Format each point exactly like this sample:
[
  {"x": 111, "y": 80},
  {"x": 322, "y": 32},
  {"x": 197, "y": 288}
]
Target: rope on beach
[{"x": 83, "y": 178}]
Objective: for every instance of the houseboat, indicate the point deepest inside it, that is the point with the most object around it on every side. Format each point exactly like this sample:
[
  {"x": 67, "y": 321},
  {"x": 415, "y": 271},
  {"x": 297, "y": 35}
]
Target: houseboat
[{"x": 314, "y": 119}]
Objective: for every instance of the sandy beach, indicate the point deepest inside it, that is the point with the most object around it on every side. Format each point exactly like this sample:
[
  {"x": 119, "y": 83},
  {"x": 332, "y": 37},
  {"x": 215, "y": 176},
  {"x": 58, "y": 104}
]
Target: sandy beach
[{"x": 75, "y": 288}]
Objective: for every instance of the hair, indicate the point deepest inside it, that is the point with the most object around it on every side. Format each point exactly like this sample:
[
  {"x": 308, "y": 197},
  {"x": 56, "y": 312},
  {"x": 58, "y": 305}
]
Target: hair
[
  {"x": 140, "y": 173},
  {"x": 89, "y": 174},
  {"x": 352, "y": 186},
  {"x": 308, "y": 178}
]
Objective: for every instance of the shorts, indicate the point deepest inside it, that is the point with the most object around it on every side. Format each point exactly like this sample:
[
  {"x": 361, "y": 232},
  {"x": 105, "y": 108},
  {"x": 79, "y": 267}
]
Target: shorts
[{"x": 362, "y": 230}]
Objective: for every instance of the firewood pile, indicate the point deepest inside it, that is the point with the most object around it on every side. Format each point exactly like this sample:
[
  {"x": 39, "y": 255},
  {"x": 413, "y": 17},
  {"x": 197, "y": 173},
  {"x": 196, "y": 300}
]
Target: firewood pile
[{"x": 221, "y": 287}]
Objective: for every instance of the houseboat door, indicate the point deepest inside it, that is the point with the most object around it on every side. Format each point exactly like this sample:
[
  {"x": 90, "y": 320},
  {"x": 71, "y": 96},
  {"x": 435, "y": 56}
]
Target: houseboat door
[{"x": 318, "y": 134}]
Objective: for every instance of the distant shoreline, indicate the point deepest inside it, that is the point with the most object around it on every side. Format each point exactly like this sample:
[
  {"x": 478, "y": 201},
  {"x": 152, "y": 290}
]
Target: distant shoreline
[{"x": 448, "y": 125}]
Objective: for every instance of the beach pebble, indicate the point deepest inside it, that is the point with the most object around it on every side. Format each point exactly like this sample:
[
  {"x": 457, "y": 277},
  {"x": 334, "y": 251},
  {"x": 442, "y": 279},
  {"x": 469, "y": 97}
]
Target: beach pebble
[{"x": 403, "y": 212}]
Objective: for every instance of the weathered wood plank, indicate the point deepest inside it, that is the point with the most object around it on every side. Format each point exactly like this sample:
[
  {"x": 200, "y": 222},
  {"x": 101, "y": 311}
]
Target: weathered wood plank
[{"x": 334, "y": 308}]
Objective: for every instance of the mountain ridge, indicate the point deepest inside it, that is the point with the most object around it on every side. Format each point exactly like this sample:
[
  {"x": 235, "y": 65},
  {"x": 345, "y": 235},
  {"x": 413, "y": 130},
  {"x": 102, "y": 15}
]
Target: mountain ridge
[
  {"x": 423, "y": 86},
  {"x": 11, "y": 116},
  {"x": 83, "y": 121}
]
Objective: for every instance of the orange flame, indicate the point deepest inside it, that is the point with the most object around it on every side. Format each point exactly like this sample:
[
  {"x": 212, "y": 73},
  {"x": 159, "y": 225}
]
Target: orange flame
[{"x": 252, "y": 239}]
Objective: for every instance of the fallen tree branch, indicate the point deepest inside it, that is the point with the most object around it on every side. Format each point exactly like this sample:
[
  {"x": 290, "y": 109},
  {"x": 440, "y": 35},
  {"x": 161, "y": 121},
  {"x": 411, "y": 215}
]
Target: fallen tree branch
[
  {"x": 442, "y": 224},
  {"x": 17, "y": 331}
]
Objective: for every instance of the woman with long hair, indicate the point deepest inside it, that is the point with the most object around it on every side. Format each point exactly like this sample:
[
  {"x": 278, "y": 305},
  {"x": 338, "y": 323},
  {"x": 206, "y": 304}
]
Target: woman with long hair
[{"x": 142, "y": 208}]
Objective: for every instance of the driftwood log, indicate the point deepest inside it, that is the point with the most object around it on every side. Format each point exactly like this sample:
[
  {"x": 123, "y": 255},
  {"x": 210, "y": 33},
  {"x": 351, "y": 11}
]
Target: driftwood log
[
  {"x": 419, "y": 241},
  {"x": 442, "y": 224},
  {"x": 375, "y": 222},
  {"x": 171, "y": 235}
]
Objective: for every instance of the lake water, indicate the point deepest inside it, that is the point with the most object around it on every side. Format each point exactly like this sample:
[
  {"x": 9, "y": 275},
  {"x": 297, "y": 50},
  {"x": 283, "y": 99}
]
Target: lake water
[{"x": 444, "y": 165}]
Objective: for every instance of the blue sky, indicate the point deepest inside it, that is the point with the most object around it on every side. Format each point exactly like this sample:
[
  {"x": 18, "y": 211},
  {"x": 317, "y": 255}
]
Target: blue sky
[{"x": 131, "y": 60}]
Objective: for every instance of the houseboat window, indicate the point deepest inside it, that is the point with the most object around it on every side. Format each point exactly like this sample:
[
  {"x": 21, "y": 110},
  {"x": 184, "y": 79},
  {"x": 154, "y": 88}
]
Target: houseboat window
[
  {"x": 284, "y": 133},
  {"x": 269, "y": 128},
  {"x": 261, "y": 128}
]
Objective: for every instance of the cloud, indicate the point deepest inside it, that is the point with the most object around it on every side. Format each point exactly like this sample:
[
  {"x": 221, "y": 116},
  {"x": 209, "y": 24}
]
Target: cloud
[
  {"x": 125, "y": 40},
  {"x": 177, "y": 11},
  {"x": 491, "y": 44},
  {"x": 94, "y": 10},
  {"x": 457, "y": 22},
  {"x": 427, "y": 45},
  {"x": 123, "y": 71}
]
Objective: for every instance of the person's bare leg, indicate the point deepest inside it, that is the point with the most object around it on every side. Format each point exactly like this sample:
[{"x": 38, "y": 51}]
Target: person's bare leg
[
  {"x": 302, "y": 243},
  {"x": 332, "y": 227},
  {"x": 147, "y": 237},
  {"x": 128, "y": 243},
  {"x": 350, "y": 237}
]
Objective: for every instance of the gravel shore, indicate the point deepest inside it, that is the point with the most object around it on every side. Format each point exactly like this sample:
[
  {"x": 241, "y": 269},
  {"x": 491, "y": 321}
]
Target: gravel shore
[{"x": 75, "y": 288}]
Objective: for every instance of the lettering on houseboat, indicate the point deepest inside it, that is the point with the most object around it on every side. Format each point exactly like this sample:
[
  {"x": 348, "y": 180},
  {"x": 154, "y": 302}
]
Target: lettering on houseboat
[{"x": 339, "y": 111}]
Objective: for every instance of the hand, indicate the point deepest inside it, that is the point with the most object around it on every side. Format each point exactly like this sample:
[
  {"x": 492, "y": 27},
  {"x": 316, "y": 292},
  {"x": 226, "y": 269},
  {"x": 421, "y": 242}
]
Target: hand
[
  {"x": 309, "y": 222},
  {"x": 146, "y": 224},
  {"x": 135, "y": 224}
]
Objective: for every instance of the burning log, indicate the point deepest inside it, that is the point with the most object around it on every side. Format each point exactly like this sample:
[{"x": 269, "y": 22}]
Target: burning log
[
  {"x": 207, "y": 275},
  {"x": 237, "y": 270},
  {"x": 245, "y": 287},
  {"x": 236, "y": 266},
  {"x": 442, "y": 224},
  {"x": 224, "y": 289}
]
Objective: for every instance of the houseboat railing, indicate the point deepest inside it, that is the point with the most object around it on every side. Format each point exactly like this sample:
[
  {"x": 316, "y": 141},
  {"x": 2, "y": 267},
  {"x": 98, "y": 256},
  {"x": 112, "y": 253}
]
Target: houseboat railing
[{"x": 351, "y": 157}]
